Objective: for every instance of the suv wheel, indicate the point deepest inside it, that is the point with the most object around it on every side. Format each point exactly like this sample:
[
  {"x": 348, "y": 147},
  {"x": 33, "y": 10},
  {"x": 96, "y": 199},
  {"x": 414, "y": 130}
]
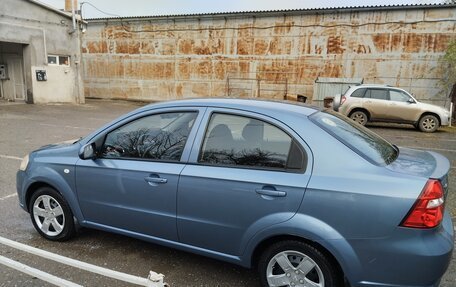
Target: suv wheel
[
  {"x": 295, "y": 263},
  {"x": 51, "y": 215},
  {"x": 428, "y": 123},
  {"x": 360, "y": 117}
]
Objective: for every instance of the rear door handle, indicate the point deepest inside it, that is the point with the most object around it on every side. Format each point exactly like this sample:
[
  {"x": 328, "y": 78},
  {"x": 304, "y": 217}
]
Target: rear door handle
[
  {"x": 155, "y": 179},
  {"x": 269, "y": 192}
]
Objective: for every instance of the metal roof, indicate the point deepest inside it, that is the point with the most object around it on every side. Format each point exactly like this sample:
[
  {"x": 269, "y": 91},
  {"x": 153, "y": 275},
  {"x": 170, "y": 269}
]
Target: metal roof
[{"x": 284, "y": 11}]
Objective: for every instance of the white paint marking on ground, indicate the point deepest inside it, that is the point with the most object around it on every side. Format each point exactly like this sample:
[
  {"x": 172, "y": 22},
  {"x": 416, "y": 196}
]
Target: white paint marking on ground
[
  {"x": 37, "y": 273},
  {"x": 8, "y": 196},
  {"x": 10, "y": 157},
  {"x": 154, "y": 279},
  {"x": 429, "y": 148},
  {"x": 71, "y": 127}
]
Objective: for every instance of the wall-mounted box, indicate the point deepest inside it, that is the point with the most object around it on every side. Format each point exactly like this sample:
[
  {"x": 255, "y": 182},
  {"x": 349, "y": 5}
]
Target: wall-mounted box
[
  {"x": 3, "y": 72},
  {"x": 41, "y": 75}
]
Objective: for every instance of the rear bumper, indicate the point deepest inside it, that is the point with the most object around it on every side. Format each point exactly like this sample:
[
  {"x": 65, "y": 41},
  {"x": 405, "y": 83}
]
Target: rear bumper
[{"x": 412, "y": 258}]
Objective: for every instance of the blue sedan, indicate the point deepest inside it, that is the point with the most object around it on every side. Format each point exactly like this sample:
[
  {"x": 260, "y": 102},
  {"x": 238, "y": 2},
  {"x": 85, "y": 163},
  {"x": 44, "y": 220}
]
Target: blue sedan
[{"x": 308, "y": 197}]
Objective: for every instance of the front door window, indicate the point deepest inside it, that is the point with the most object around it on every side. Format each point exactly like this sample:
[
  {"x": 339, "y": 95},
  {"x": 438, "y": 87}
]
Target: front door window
[{"x": 156, "y": 137}]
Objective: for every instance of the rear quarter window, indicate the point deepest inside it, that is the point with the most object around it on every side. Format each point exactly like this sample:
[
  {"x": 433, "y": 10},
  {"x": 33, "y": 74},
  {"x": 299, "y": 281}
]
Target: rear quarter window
[{"x": 360, "y": 139}]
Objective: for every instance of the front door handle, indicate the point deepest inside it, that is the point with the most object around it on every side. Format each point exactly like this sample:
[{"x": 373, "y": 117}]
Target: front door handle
[
  {"x": 155, "y": 180},
  {"x": 269, "y": 192}
]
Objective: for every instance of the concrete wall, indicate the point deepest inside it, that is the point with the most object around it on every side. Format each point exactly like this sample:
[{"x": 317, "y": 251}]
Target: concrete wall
[
  {"x": 161, "y": 58},
  {"x": 42, "y": 32}
]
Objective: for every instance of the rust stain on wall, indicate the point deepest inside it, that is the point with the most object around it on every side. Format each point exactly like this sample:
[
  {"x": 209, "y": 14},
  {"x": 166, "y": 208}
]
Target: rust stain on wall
[
  {"x": 283, "y": 28},
  {"x": 411, "y": 43},
  {"x": 183, "y": 70},
  {"x": 335, "y": 45},
  {"x": 121, "y": 47},
  {"x": 96, "y": 47},
  {"x": 186, "y": 46},
  {"x": 117, "y": 32},
  {"x": 147, "y": 47},
  {"x": 203, "y": 70},
  {"x": 261, "y": 47},
  {"x": 245, "y": 46}
]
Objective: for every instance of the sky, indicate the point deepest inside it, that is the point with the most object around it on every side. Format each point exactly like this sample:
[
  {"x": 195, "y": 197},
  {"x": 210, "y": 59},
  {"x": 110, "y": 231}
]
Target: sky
[{"x": 169, "y": 7}]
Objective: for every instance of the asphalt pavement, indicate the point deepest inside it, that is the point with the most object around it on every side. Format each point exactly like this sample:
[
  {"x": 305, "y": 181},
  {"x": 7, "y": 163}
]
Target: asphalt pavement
[{"x": 24, "y": 128}]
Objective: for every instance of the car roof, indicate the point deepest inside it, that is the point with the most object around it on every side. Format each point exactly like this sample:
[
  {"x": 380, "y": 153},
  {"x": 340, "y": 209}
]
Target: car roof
[
  {"x": 254, "y": 105},
  {"x": 373, "y": 86}
]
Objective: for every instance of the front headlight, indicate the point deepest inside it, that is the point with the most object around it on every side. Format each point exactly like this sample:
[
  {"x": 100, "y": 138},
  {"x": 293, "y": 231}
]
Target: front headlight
[{"x": 24, "y": 163}]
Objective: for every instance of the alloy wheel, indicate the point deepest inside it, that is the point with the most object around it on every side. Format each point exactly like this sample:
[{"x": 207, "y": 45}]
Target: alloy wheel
[
  {"x": 429, "y": 124},
  {"x": 359, "y": 117},
  {"x": 293, "y": 268},
  {"x": 48, "y": 215}
]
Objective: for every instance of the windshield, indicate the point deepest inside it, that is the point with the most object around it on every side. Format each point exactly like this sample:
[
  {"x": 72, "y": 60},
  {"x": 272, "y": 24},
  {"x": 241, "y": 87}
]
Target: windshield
[{"x": 360, "y": 139}]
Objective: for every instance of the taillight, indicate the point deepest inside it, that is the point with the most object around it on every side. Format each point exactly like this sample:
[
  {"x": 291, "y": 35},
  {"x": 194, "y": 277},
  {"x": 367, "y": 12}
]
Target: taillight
[
  {"x": 427, "y": 212},
  {"x": 342, "y": 100}
]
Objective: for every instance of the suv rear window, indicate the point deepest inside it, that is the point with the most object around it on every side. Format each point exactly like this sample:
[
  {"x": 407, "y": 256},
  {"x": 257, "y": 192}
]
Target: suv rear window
[{"x": 360, "y": 139}]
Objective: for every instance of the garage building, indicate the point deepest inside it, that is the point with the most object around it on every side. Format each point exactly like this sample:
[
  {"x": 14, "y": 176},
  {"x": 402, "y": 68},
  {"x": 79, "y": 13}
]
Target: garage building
[
  {"x": 40, "y": 59},
  {"x": 309, "y": 52}
]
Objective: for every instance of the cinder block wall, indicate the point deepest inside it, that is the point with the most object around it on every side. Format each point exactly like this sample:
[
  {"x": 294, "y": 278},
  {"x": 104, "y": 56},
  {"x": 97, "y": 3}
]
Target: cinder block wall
[{"x": 163, "y": 58}]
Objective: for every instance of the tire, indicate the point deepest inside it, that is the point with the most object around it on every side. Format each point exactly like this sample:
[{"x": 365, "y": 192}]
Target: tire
[
  {"x": 360, "y": 117},
  {"x": 51, "y": 215},
  {"x": 318, "y": 268},
  {"x": 428, "y": 123}
]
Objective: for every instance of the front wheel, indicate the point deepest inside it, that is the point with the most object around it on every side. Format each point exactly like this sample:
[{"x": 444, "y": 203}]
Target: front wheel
[
  {"x": 51, "y": 215},
  {"x": 428, "y": 124},
  {"x": 295, "y": 263}
]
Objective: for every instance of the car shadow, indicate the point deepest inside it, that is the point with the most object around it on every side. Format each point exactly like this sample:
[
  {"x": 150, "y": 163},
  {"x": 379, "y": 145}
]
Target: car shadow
[{"x": 180, "y": 268}]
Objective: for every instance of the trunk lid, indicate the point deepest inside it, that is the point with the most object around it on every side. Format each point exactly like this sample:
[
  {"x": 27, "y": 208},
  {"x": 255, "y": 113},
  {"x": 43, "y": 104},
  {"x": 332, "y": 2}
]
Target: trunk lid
[{"x": 422, "y": 163}]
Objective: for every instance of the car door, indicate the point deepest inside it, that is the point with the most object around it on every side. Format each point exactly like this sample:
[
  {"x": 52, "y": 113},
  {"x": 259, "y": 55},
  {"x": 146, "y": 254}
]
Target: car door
[
  {"x": 246, "y": 173},
  {"x": 132, "y": 184},
  {"x": 402, "y": 107},
  {"x": 376, "y": 102}
]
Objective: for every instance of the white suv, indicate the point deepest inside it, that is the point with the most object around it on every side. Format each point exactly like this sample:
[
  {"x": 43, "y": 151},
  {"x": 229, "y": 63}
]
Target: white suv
[{"x": 380, "y": 103}]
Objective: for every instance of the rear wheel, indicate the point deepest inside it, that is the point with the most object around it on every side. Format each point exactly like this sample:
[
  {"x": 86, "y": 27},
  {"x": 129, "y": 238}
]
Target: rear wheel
[
  {"x": 51, "y": 215},
  {"x": 295, "y": 263},
  {"x": 360, "y": 117},
  {"x": 428, "y": 123}
]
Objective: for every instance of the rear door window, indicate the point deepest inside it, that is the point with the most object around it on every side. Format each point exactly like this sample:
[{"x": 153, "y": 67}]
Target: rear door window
[
  {"x": 360, "y": 139},
  {"x": 378, "y": 94},
  {"x": 234, "y": 140}
]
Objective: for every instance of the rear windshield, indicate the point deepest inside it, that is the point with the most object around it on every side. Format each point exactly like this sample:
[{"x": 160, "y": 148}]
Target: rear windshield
[{"x": 360, "y": 139}]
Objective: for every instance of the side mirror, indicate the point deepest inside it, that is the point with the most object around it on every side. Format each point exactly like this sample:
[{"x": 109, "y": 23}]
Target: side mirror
[
  {"x": 87, "y": 151},
  {"x": 411, "y": 101}
]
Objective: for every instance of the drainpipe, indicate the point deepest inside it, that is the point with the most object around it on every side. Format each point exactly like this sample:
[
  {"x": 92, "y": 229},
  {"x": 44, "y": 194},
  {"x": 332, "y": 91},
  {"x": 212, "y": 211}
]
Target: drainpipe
[{"x": 73, "y": 16}]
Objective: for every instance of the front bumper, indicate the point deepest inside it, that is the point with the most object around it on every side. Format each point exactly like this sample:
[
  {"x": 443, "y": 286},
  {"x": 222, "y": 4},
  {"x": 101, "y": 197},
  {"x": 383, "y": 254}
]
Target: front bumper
[
  {"x": 445, "y": 120},
  {"x": 20, "y": 179},
  {"x": 412, "y": 257}
]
